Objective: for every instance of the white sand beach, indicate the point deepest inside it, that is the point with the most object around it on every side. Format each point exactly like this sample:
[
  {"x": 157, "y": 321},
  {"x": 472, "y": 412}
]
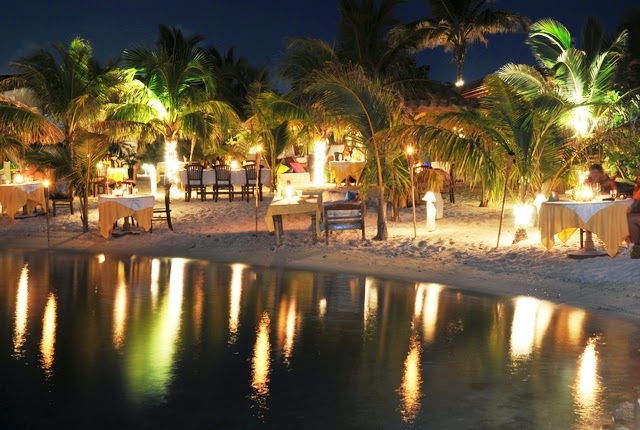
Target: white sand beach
[{"x": 461, "y": 252}]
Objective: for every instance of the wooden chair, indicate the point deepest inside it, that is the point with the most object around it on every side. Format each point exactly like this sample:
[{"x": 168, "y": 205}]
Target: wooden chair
[
  {"x": 100, "y": 181},
  {"x": 337, "y": 216},
  {"x": 251, "y": 182},
  {"x": 62, "y": 195},
  {"x": 223, "y": 182},
  {"x": 194, "y": 182},
  {"x": 161, "y": 213}
]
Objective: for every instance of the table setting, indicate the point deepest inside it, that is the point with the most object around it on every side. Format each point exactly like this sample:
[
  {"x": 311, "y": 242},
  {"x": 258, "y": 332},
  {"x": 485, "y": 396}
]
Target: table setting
[{"x": 585, "y": 208}]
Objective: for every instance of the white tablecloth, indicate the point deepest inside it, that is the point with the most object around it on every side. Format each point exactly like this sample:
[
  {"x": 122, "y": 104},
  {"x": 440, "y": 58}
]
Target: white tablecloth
[
  {"x": 608, "y": 220},
  {"x": 15, "y": 196},
  {"x": 111, "y": 208},
  {"x": 585, "y": 210}
]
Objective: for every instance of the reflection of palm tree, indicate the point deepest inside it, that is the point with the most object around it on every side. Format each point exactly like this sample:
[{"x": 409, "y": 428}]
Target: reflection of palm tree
[
  {"x": 177, "y": 100},
  {"x": 456, "y": 24},
  {"x": 70, "y": 89}
]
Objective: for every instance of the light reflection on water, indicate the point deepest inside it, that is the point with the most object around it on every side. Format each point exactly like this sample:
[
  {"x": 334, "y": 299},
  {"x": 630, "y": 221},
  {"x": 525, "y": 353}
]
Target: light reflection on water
[
  {"x": 260, "y": 365},
  {"x": 233, "y": 346},
  {"x": 48, "y": 342},
  {"x": 21, "y": 313},
  {"x": 234, "y": 300}
]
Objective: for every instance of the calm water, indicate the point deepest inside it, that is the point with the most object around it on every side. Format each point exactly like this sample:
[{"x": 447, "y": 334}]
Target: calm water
[{"x": 137, "y": 342}]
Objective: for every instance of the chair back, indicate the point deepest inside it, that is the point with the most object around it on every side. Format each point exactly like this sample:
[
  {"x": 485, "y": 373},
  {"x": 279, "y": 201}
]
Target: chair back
[
  {"x": 61, "y": 190},
  {"x": 223, "y": 173},
  {"x": 194, "y": 173},
  {"x": 101, "y": 171},
  {"x": 251, "y": 173}
]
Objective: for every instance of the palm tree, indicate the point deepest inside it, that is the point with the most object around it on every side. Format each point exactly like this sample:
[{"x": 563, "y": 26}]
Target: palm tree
[
  {"x": 508, "y": 121},
  {"x": 176, "y": 98},
  {"x": 71, "y": 89},
  {"x": 348, "y": 94},
  {"x": 275, "y": 125},
  {"x": 585, "y": 77},
  {"x": 234, "y": 79},
  {"x": 21, "y": 125},
  {"x": 363, "y": 39},
  {"x": 457, "y": 24}
]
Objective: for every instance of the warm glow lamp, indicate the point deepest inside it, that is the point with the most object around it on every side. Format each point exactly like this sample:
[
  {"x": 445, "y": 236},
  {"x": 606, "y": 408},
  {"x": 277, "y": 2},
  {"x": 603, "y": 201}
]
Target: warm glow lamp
[
  {"x": 319, "y": 160},
  {"x": 430, "y": 198}
]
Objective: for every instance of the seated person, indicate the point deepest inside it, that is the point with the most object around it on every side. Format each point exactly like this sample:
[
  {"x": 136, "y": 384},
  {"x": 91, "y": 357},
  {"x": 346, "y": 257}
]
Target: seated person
[
  {"x": 34, "y": 174},
  {"x": 597, "y": 176}
]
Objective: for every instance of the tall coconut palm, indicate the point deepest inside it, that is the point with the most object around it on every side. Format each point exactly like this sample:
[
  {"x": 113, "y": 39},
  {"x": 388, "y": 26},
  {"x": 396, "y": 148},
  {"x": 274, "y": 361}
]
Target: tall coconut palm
[
  {"x": 234, "y": 78},
  {"x": 177, "y": 99},
  {"x": 455, "y": 25},
  {"x": 21, "y": 125},
  {"x": 275, "y": 125},
  {"x": 585, "y": 77},
  {"x": 508, "y": 121},
  {"x": 71, "y": 89},
  {"x": 363, "y": 39},
  {"x": 373, "y": 110}
]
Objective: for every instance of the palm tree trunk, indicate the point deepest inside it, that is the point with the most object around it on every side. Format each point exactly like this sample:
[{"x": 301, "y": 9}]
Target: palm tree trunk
[
  {"x": 383, "y": 233},
  {"x": 484, "y": 199},
  {"x": 192, "y": 149},
  {"x": 459, "y": 59}
]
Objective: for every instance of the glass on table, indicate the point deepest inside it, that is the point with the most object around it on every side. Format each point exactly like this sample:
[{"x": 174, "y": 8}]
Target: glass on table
[
  {"x": 596, "y": 189},
  {"x": 613, "y": 193}
]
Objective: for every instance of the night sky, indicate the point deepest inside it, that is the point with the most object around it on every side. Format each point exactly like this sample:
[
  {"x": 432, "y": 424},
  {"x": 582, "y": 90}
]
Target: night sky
[{"x": 257, "y": 28}]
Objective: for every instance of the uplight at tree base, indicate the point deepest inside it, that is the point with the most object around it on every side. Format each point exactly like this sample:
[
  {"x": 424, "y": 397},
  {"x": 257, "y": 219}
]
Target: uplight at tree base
[
  {"x": 149, "y": 169},
  {"x": 319, "y": 160},
  {"x": 523, "y": 213},
  {"x": 171, "y": 161}
]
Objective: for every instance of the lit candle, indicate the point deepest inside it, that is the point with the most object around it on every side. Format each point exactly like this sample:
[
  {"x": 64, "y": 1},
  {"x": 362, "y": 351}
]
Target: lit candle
[{"x": 289, "y": 190}]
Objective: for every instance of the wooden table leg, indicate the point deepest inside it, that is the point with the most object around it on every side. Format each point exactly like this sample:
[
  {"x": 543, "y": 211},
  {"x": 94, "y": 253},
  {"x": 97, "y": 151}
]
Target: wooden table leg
[
  {"x": 277, "y": 224},
  {"x": 313, "y": 227},
  {"x": 589, "y": 250},
  {"x": 588, "y": 241}
]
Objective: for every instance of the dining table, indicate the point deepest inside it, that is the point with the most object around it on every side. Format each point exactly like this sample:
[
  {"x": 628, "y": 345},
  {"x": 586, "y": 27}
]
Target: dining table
[
  {"x": 342, "y": 170},
  {"x": 607, "y": 218},
  {"x": 289, "y": 206},
  {"x": 112, "y": 207},
  {"x": 238, "y": 176},
  {"x": 27, "y": 195}
]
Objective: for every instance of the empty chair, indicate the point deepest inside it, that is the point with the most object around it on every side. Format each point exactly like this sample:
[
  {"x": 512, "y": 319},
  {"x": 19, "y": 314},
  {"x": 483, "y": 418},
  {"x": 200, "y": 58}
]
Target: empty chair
[
  {"x": 194, "y": 182},
  {"x": 343, "y": 215},
  {"x": 61, "y": 195},
  {"x": 223, "y": 182},
  {"x": 101, "y": 180},
  {"x": 251, "y": 181},
  {"x": 161, "y": 213}
]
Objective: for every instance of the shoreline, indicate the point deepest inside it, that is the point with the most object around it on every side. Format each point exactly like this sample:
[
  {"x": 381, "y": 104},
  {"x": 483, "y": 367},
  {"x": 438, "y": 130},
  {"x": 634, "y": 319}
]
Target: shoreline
[
  {"x": 361, "y": 263},
  {"x": 461, "y": 253}
]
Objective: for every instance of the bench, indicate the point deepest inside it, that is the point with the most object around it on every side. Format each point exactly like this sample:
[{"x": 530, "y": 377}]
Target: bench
[{"x": 338, "y": 216}]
